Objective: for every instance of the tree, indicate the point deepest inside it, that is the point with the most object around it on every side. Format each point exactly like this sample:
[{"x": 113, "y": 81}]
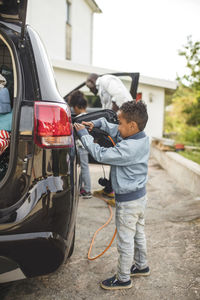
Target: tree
[
  {"x": 191, "y": 52},
  {"x": 184, "y": 119}
]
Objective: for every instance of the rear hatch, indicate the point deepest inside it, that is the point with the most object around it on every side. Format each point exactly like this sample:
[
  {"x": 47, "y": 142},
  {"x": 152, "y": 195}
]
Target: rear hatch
[{"x": 12, "y": 33}]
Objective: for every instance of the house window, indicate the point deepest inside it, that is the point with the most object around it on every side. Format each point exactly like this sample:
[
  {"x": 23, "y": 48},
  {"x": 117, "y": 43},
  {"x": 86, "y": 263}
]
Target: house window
[
  {"x": 68, "y": 14},
  {"x": 68, "y": 29}
]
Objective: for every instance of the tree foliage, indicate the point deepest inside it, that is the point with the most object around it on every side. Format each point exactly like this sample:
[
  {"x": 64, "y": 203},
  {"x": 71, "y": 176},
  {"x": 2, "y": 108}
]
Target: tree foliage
[
  {"x": 191, "y": 52},
  {"x": 184, "y": 119}
]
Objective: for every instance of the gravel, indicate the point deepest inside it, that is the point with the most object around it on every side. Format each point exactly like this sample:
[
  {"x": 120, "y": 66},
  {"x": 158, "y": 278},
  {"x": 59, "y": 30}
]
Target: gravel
[{"x": 173, "y": 239}]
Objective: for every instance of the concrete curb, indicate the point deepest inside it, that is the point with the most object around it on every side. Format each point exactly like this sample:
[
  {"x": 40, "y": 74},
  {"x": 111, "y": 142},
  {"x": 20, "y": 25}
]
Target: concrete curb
[{"x": 185, "y": 172}]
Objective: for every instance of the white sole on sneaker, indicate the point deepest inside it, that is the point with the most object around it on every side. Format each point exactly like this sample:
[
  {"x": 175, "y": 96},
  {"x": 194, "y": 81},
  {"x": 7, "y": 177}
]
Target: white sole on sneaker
[
  {"x": 140, "y": 274},
  {"x": 116, "y": 287}
]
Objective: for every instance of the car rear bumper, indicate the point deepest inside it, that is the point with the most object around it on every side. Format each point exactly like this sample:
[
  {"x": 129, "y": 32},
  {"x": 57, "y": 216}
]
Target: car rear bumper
[{"x": 29, "y": 255}]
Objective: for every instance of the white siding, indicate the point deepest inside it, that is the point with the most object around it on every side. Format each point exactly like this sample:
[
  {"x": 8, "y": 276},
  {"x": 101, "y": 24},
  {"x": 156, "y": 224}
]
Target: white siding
[
  {"x": 67, "y": 80},
  {"x": 82, "y": 17},
  {"x": 155, "y": 109},
  {"x": 48, "y": 18}
]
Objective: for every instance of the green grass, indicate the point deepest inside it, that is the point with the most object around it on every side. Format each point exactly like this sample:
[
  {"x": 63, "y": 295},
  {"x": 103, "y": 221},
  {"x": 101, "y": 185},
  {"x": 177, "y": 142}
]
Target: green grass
[{"x": 192, "y": 155}]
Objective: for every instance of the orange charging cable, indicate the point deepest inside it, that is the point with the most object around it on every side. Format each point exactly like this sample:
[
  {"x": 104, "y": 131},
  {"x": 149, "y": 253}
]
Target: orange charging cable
[{"x": 99, "y": 229}]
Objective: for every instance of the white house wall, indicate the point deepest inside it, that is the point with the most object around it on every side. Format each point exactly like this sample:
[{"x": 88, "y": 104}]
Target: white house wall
[
  {"x": 67, "y": 80},
  {"x": 155, "y": 109},
  {"x": 49, "y": 20},
  {"x": 82, "y": 17}
]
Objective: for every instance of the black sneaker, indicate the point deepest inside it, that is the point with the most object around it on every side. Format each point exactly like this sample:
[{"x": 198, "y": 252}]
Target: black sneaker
[
  {"x": 86, "y": 195},
  {"x": 136, "y": 272},
  {"x": 114, "y": 284}
]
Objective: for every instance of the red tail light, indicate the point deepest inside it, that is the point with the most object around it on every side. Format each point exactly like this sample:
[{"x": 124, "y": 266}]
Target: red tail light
[{"x": 53, "y": 127}]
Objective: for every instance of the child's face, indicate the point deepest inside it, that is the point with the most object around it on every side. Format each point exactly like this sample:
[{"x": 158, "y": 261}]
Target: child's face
[
  {"x": 125, "y": 128},
  {"x": 78, "y": 110}
]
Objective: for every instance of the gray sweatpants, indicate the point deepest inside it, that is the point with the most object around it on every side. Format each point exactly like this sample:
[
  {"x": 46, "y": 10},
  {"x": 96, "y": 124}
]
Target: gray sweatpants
[
  {"x": 131, "y": 241},
  {"x": 85, "y": 181}
]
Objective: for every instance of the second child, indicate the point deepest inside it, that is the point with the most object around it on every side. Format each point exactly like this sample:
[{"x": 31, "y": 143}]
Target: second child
[{"x": 79, "y": 104}]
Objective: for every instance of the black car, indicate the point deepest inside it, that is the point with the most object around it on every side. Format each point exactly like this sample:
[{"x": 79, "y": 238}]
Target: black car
[
  {"x": 38, "y": 192},
  {"x": 39, "y": 174}
]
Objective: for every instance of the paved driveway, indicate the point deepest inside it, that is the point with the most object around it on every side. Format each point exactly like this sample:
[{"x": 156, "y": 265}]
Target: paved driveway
[{"x": 173, "y": 237}]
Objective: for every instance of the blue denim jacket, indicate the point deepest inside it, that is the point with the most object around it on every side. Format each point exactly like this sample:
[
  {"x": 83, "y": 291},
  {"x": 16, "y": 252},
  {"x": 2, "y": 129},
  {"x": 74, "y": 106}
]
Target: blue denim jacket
[{"x": 128, "y": 160}]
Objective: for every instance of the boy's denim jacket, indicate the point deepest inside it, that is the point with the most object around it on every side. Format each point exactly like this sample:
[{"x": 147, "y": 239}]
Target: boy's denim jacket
[{"x": 128, "y": 160}]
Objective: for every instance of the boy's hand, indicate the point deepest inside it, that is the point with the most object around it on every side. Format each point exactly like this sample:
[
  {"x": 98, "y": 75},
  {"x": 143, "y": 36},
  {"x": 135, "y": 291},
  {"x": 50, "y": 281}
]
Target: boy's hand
[
  {"x": 78, "y": 126},
  {"x": 88, "y": 124}
]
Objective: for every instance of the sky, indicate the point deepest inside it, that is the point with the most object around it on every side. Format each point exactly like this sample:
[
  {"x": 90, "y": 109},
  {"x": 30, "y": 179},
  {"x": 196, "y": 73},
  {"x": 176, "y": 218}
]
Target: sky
[{"x": 144, "y": 35}]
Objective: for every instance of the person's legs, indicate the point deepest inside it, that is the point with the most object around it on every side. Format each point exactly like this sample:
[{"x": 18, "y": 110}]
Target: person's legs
[
  {"x": 85, "y": 173},
  {"x": 126, "y": 220},
  {"x": 140, "y": 266},
  {"x": 131, "y": 241},
  {"x": 125, "y": 224},
  {"x": 127, "y": 217},
  {"x": 140, "y": 252}
]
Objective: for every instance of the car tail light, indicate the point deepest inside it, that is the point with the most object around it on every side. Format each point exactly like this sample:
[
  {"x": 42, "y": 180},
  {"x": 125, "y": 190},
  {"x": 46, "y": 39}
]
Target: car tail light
[{"x": 52, "y": 125}]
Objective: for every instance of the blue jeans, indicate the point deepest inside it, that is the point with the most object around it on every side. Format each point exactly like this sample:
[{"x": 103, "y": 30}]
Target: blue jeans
[
  {"x": 131, "y": 241},
  {"x": 85, "y": 181}
]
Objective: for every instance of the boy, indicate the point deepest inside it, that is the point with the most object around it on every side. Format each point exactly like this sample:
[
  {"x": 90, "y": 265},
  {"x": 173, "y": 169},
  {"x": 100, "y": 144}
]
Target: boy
[
  {"x": 128, "y": 160},
  {"x": 79, "y": 104}
]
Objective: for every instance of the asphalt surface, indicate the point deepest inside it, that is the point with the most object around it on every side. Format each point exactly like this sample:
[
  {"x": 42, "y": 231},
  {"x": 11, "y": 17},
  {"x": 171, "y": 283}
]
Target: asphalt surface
[{"x": 173, "y": 239}]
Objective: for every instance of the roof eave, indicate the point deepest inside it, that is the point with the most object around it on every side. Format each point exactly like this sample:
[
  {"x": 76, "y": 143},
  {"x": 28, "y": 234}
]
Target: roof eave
[{"x": 95, "y": 8}]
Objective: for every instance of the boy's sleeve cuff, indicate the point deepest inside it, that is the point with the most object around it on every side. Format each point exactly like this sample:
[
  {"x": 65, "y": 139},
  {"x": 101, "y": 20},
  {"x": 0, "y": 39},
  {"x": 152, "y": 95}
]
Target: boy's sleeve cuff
[
  {"x": 97, "y": 123},
  {"x": 82, "y": 132}
]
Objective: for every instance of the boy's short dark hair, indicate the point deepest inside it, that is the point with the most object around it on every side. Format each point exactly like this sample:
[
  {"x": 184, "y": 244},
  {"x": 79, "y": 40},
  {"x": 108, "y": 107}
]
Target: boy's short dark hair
[
  {"x": 78, "y": 99},
  {"x": 135, "y": 111}
]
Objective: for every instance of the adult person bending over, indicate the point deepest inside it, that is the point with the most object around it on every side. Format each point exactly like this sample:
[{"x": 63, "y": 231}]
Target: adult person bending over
[
  {"x": 113, "y": 94},
  {"x": 110, "y": 89}
]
